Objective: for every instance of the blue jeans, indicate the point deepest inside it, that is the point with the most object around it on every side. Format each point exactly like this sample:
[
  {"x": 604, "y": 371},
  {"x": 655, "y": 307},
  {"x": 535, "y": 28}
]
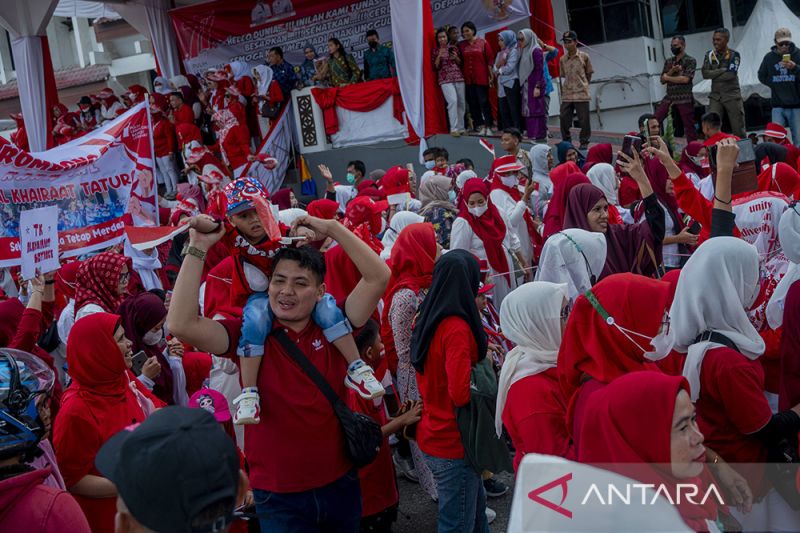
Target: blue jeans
[
  {"x": 257, "y": 323},
  {"x": 790, "y": 119},
  {"x": 462, "y": 499},
  {"x": 334, "y": 508}
]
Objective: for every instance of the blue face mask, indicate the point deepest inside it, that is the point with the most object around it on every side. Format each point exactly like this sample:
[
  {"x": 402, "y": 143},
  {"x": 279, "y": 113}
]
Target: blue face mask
[
  {"x": 430, "y": 164},
  {"x": 350, "y": 177},
  {"x": 452, "y": 195}
]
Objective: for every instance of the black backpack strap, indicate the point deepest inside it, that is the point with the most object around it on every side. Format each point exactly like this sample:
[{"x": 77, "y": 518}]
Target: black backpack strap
[
  {"x": 719, "y": 338},
  {"x": 307, "y": 366}
]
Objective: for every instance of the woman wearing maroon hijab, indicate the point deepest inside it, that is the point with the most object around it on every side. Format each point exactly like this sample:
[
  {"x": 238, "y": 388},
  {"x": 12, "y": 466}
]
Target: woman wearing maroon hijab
[
  {"x": 143, "y": 318},
  {"x": 644, "y": 424},
  {"x": 633, "y": 248}
]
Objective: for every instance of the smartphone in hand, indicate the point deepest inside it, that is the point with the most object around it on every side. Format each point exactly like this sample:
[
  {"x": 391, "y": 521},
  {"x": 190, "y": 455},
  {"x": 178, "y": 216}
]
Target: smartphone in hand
[
  {"x": 630, "y": 144},
  {"x": 138, "y": 362}
]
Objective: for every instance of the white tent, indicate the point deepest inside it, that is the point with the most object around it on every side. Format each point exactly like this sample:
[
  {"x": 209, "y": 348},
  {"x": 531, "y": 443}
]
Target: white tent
[{"x": 753, "y": 44}]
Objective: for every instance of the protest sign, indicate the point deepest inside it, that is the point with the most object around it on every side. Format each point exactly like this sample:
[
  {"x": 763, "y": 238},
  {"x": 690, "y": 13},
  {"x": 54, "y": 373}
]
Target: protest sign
[
  {"x": 97, "y": 181},
  {"x": 38, "y": 241}
]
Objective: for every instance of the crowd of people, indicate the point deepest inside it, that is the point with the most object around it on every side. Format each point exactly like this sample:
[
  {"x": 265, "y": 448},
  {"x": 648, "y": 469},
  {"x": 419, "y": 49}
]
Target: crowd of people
[
  {"x": 283, "y": 370},
  {"x": 582, "y": 291}
]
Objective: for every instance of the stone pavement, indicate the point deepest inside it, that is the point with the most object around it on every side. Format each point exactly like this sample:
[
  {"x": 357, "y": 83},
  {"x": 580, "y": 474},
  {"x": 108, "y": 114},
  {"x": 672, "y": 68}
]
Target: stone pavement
[{"x": 418, "y": 512}]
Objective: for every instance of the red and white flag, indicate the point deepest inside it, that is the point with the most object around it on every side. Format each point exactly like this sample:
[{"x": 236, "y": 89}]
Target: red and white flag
[
  {"x": 144, "y": 237},
  {"x": 488, "y": 147}
]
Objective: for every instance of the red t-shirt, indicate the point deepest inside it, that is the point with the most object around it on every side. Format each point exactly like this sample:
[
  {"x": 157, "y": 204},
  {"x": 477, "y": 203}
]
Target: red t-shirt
[
  {"x": 535, "y": 416},
  {"x": 183, "y": 115},
  {"x": 378, "y": 487},
  {"x": 299, "y": 444},
  {"x": 732, "y": 406},
  {"x": 445, "y": 386},
  {"x": 164, "y": 142}
]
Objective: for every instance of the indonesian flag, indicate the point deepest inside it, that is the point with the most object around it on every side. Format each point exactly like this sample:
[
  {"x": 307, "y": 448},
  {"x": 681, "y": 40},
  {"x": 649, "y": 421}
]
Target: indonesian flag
[
  {"x": 145, "y": 237},
  {"x": 414, "y": 37},
  {"x": 488, "y": 147}
]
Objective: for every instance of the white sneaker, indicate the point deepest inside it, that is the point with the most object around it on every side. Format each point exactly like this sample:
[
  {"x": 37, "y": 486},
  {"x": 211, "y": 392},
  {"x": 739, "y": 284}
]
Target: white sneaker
[
  {"x": 362, "y": 380},
  {"x": 247, "y": 409},
  {"x": 490, "y": 515}
]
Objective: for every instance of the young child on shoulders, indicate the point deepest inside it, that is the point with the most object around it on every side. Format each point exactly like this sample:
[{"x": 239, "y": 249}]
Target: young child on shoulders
[{"x": 249, "y": 242}]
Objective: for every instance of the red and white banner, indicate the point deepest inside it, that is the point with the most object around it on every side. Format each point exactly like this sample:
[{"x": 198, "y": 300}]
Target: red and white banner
[
  {"x": 276, "y": 145},
  {"x": 95, "y": 181},
  {"x": 215, "y": 33}
]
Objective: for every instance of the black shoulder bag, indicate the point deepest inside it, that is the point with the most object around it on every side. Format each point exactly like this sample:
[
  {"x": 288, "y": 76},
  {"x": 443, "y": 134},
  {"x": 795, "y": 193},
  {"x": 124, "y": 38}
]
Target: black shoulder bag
[{"x": 362, "y": 435}]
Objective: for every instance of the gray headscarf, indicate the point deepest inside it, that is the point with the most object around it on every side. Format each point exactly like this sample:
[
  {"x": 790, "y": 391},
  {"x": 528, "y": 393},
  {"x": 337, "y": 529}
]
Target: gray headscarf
[
  {"x": 526, "y": 54},
  {"x": 434, "y": 193}
]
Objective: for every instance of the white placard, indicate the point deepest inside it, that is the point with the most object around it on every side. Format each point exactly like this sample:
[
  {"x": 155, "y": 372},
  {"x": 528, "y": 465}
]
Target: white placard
[{"x": 38, "y": 240}]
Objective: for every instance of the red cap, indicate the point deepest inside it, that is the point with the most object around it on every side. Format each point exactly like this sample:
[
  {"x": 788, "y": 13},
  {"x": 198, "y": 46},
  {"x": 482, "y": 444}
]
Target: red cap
[
  {"x": 485, "y": 288},
  {"x": 776, "y": 131}
]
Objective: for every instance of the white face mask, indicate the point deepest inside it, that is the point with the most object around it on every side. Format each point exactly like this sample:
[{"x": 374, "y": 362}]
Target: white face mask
[
  {"x": 151, "y": 338},
  {"x": 478, "y": 211},
  {"x": 510, "y": 181}
]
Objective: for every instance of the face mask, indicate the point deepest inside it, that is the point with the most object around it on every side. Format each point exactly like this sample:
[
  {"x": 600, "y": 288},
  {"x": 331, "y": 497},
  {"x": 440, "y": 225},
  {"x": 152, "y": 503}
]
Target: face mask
[
  {"x": 430, "y": 165},
  {"x": 452, "y": 196},
  {"x": 350, "y": 177},
  {"x": 151, "y": 338},
  {"x": 676, "y": 50},
  {"x": 662, "y": 346},
  {"x": 373, "y": 45},
  {"x": 509, "y": 181},
  {"x": 478, "y": 211}
]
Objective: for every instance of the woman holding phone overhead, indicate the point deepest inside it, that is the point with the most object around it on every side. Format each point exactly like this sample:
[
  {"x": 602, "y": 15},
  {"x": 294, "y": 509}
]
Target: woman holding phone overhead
[{"x": 631, "y": 248}]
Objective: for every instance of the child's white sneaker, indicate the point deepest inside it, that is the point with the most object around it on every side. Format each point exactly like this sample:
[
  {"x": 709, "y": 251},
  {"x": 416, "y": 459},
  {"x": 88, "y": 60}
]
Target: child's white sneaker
[
  {"x": 247, "y": 408},
  {"x": 361, "y": 379}
]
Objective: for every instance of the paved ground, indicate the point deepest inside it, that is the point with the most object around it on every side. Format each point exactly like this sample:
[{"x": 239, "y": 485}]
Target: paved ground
[{"x": 418, "y": 511}]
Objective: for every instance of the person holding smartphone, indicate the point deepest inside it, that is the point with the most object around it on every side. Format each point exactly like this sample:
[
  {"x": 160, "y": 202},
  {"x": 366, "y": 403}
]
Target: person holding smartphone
[
  {"x": 778, "y": 71},
  {"x": 447, "y": 62}
]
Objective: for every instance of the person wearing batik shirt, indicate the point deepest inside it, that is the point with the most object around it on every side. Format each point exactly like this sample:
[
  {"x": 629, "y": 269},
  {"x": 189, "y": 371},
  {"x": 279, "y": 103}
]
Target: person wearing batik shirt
[{"x": 284, "y": 72}]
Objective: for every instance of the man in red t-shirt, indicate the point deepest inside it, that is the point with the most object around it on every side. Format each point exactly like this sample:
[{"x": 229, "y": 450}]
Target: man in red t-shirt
[
  {"x": 299, "y": 470},
  {"x": 181, "y": 113}
]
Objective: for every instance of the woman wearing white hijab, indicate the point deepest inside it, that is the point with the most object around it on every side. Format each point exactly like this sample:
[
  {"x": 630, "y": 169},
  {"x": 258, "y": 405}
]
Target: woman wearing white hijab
[
  {"x": 574, "y": 257},
  {"x": 789, "y": 237},
  {"x": 146, "y": 265},
  {"x": 709, "y": 322},
  {"x": 397, "y": 224},
  {"x": 262, "y": 75},
  {"x": 529, "y": 399},
  {"x": 542, "y": 161},
  {"x": 604, "y": 177}
]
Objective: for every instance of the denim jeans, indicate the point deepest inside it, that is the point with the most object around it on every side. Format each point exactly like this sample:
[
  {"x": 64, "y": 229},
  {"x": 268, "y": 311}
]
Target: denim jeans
[
  {"x": 334, "y": 508},
  {"x": 462, "y": 499},
  {"x": 789, "y": 118}
]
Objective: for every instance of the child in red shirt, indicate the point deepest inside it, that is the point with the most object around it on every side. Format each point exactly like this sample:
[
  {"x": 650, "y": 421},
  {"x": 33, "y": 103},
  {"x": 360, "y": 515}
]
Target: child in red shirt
[
  {"x": 379, "y": 496},
  {"x": 250, "y": 245}
]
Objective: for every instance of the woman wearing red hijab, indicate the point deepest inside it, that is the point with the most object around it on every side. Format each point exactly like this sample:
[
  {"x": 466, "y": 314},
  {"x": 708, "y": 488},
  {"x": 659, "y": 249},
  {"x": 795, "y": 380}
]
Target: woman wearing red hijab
[
  {"x": 233, "y": 140},
  {"x": 66, "y": 125},
  {"x": 562, "y": 185},
  {"x": 631, "y": 248},
  {"x": 99, "y": 402},
  {"x": 480, "y": 230},
  {"x": 595, "y": 351},
  {"x": 364, "y": 218},
  {"x": 323, "y": 208},
  {"x": 599, "y": 153},
  {"x": 101, "y": 282},
  {"x": 648, "y": 418}
]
